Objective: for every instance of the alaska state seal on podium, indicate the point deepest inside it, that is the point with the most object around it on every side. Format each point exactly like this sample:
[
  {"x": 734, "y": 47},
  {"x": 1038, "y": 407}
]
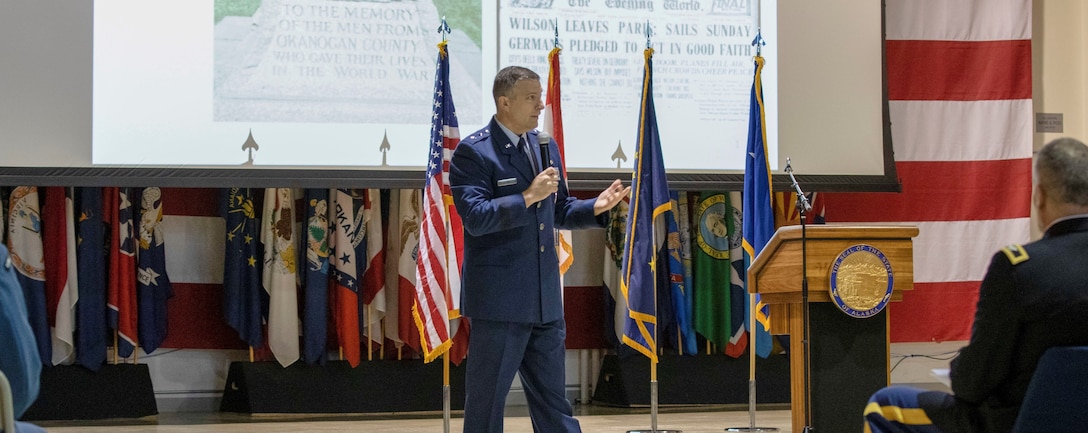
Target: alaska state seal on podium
[{"x": 861, "y": 281}]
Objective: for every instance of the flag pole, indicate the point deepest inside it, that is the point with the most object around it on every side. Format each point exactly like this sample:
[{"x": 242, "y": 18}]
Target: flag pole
[
  {"x": 758, "y": 42},
  {"x": 751, "y": 374},
  {"x": 653, "y": 372},
  {"x": 653, "y": 243},
  {"x": 654, "y": 361},
  {"x": 653, "y": 386},
  {"x": 444, "y": 29},
  {"x": 446, "y": 392},
  {"x": 751, "y": 298},
  {"x": 369, "y": 334},
  {"x": 115, "y": 354},
  {"x": 752, "y": 364}
]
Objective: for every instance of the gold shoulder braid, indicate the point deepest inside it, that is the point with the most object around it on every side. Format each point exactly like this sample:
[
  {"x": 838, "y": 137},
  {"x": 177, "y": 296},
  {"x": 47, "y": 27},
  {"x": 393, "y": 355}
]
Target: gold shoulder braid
[{"x": 1015, "y": 253}]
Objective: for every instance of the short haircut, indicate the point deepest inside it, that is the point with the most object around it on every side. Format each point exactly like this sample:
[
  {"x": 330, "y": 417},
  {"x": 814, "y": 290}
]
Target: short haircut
[
  {"x": 1061, "y": 168},
  {"x": 508, "y": 77}
]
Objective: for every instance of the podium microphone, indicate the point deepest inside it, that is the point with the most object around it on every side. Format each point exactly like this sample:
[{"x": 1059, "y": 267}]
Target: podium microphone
[
  {"x": 545, "y": 141},
  {"x": 802, "y": 201}
]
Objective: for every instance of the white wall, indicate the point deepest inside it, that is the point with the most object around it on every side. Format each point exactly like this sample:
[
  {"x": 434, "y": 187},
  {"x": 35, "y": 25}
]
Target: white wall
[{"x": 1060, "y": 67}]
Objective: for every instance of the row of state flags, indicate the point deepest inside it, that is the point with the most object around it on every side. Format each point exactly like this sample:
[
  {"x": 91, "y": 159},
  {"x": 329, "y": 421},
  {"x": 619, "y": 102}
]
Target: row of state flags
[
  {"x": 340, "y": 278},
  {"x": 701, "y": 296},
  {"x": 303, "y": 270},
  {"x": 341, "y": 234},
  {"x": 90, "y": 261},
  {"x": 346, "y": 246}
]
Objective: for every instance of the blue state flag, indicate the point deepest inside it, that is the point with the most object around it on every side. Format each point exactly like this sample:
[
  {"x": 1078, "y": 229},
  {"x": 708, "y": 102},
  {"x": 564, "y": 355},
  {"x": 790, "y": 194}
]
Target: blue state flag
[
  {"x": 681, "y": 290},
  {"x": 649, "y": 203},
  {"x": 315, "y": 281},
  {"x": 153, "y": 287},
  {"x": 28, "y": 258},
  {"x": 91, "y": 250},
  {"x": 244, "y": 299},
  {"x": 758, "y": 210}
]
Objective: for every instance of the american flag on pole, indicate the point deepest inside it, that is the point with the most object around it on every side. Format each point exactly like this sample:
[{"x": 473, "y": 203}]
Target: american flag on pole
[{"x": 434, "y": 281}]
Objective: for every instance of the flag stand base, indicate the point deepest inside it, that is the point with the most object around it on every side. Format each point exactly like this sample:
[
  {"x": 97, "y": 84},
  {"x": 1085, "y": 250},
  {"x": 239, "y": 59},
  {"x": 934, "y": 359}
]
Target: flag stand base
[
  {"x": 688, "y": 380},
  {"x": 378, "y": 386},
  {"x": 72, "y": 392}
]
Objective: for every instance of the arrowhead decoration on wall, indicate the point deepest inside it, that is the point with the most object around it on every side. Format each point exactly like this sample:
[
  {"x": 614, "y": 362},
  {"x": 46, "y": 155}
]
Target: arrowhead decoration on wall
[
  {"x": 250, "y": 145},
  {"x": 618, "y": 155}
]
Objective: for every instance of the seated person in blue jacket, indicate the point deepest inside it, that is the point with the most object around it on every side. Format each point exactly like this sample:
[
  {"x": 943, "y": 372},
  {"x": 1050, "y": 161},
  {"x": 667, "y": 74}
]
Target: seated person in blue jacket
[
  {"x": 1033, "y": 297},
  {"x": 19, "y": 358}
]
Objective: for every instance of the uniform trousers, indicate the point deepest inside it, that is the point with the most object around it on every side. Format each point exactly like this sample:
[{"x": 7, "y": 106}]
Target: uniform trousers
[
  {"x": 537, "y": 352},
  {"x": 904, "y": 409}
]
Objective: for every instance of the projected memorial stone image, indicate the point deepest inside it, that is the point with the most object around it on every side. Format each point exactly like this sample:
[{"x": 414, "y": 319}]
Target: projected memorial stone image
[{"x": 338, "y": 61}]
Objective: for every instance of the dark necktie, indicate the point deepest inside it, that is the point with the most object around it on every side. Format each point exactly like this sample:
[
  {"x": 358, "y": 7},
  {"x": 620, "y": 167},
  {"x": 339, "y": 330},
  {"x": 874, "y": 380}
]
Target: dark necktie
[{"x": 524, "y": 147}]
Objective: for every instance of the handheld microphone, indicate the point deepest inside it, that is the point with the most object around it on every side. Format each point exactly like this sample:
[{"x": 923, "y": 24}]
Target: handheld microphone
[{"x": 545, "y": 141}]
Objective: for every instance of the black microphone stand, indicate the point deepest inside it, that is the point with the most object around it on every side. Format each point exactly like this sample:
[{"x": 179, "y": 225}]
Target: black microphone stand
[{"x": 803, "y": 207}]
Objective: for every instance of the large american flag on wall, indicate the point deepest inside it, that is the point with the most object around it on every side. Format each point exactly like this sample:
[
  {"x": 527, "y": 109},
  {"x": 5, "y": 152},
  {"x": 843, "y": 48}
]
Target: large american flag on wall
[{"x": 959, "y": 86}]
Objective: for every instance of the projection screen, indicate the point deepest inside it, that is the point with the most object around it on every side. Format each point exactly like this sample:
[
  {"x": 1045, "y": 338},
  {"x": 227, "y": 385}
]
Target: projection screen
[{"x": 322, "y": 93}]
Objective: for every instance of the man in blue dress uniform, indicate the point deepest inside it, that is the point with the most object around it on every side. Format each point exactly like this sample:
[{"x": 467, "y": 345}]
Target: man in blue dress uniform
[{"x": 510, "y": 202}]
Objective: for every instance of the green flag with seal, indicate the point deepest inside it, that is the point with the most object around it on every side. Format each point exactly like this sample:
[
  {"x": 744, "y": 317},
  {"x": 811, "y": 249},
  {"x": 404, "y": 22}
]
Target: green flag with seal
[{"x": 711, "y": 267}]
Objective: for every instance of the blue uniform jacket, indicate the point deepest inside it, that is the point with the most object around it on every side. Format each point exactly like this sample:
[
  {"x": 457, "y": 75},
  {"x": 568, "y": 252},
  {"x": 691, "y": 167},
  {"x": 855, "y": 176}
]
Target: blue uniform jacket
[
  {"x": 510, "y": 270},
  {"x": 18, "y": 350}
]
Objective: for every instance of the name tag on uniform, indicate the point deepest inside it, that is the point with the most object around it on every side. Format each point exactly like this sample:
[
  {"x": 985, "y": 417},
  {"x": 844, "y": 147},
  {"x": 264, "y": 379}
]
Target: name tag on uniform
[{"x": 508, "y": 182}]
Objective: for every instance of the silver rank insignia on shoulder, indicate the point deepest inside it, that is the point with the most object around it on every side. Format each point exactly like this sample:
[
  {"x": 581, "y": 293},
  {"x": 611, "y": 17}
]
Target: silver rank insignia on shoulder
[{"x": 1015, "y": 253}]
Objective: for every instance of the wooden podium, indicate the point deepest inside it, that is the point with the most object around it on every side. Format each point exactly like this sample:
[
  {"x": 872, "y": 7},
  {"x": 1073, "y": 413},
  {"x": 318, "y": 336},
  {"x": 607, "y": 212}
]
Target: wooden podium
[{"x": 848, "y": 356}]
